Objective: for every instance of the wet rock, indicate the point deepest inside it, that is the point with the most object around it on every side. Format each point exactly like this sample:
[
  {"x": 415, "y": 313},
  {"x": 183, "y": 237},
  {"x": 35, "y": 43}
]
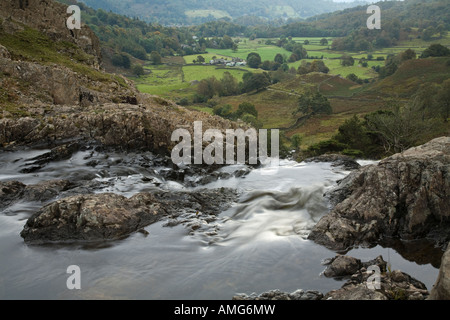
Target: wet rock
[
  {"x": 46, "y": 190},
  {"x": 59, "y": 153},
  {"x": 10, "y": 191},
  {"x": 342, "y": 266},
  {"x": 91, "y": 217},
  {"x": 393, "y": 285},
  {"x": 280, "y": 295},
  {"x": 404, "y": 196},
  {"x": 441, "y": 289},
  {"x": 13, "y": 191},
  {"x": 171, "y": 174},
  {"x": 347, "y": 162},
  {"x": 107, "y": 216},
  {"x": 390, "y": 285}
]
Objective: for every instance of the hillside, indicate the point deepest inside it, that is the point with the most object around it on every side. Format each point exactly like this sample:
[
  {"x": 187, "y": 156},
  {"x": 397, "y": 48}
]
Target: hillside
[
  {"x": 276, "y": 105},
  {"x": 176, "y": 12},
  {"x": 54, "y": 91}
]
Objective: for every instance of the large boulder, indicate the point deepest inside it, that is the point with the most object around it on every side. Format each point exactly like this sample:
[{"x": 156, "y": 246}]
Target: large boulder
[
  {"x": 91, "y": 217},
  {"x": 109, "y": 216},
  {"x": 404, "y": 196},
  {"x": 441, "y": 289}
]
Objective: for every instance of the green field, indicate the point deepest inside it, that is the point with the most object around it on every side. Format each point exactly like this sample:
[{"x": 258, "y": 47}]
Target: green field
[
  {"x": 207, "y": 56},
  {"x": 192, "y": 73},
  {"x": 177, "y": 78}
]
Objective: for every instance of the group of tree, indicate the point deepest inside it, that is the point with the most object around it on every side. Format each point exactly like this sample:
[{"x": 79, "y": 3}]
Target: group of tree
[
  {"x": 314, "y": 66},
  {"x": 225, "y": 42},
  {"x": 394, "y": 128},
  {"x": 135, "y": 37},
  {"x": 310, "y": 104},
  {"x": 393, "y": 61},
  {"x": 245, "y": 111},
  {"x": 229, "y": 85}
]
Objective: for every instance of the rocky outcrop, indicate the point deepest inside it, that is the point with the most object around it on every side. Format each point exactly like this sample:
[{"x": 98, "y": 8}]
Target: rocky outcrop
[
  {"x": 91, "y": 217},
  {"x": 146, "y": 126},
  {"x": 365, "y": 285},
  {"x": 280, "y": 295},
  {"x": 362, "y": 283},
  {"x": 404, "y": 196},
  {"x": 441, "y": 289},
  {"x": 53, "y": 84},
  {"x": 50, "y": 17},
  {"x": 108, "y": 216}
]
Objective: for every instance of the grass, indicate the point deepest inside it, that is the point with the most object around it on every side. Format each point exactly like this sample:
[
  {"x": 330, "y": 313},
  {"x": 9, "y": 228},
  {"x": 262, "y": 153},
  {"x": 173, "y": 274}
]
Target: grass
[
  {"x": 364, "y": 73},
  {"x": 267, "y": 52},
  {"x": 277, "y": 104},
  {"x": 200, "y": 72},
  {"x": 207, "y": 56},
  {"x": 32, "y": 45}
]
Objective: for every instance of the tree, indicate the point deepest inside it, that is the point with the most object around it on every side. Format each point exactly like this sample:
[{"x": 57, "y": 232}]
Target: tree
[
  {"x": 323, "y": 42},
  {"x": 319, "y": 66},
  {"x": 200, "y": 59},
  {"x": 208, "y": 87},
  {"x": 315, "y": 66},
  {"x": 311, "y": 104},
  {"x": 428, "y": 33},
  {"x": 229, "y": 85},
  {"x": 398, "y": 128},
  {"x": 306, "y": 42},
  {"x": 354, "y": 134},
  {"x": 407, "y": 55},
  {"x": 255, "y": 81},
  {"x": 252, "y": 120},
  {"x": 138, "y": 70},
  {"x": 279, "y": 58},
  {"x": 155, "y": 57},
  {"x": 391, "y": 65},
  {"x": 435, "y": 50},
  {"x": 253, "y": 60},
  {"x": 121, "y": 60},
  {"x": 347, "y": 60},
  {"x": 296, "y": 141},
  {"x": 246, "y": 108},
  {"x": 225, "y": 111},
  {"x": 352, "y": 77}
]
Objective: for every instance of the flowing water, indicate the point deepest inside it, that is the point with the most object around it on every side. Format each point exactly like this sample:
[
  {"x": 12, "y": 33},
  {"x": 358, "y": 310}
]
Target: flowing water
[{"x": 258, "y": 244}]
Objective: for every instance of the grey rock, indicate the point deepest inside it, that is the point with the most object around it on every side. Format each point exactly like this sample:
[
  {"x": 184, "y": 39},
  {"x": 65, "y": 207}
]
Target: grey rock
[
  {"x": 404, "y": 196},
  {"x": 441, "y": 289},
  {"x": 280, "y": 295},
  {"x": 108, "y": 216},
  {"x": 91, "y": 217},
  {"x": 342, "y": 266},
  {"x": 393, "y": 285}
]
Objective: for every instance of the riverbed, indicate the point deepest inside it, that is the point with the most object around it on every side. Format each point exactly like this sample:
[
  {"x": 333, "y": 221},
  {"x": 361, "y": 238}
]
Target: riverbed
[{"x": 258, "y": 244}]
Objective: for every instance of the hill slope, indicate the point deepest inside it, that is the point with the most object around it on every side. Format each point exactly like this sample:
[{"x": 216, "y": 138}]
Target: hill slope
[
  {"x": 199, "y": 11},
  {"x": 53, "y": 91}
]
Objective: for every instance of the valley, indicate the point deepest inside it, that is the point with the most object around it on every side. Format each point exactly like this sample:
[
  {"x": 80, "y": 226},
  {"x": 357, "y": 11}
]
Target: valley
[
  {"x": 177, "y": 78},
  {"x": 99, "y": 127}
]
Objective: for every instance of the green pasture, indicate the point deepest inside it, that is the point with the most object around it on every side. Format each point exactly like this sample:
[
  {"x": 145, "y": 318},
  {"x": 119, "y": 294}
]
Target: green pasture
[{"x": 192, "y": 73}]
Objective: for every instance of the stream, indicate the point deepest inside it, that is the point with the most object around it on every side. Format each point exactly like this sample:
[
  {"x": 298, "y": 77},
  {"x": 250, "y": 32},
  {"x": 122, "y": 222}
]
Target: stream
[{"x": 258, "y": 244}]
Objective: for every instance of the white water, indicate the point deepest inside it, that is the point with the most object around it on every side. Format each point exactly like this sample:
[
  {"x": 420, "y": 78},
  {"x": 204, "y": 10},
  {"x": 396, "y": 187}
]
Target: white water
[{"x": 257, "y": 245}]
